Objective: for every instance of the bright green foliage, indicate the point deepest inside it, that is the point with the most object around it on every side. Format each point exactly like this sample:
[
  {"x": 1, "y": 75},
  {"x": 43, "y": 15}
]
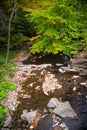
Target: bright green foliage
[
  {"x": 6, "y": 71},
  {"x": 59, "y": 23},
  {"x": 4, "y": 87},
  {"x": 83, "y": 9},
  {"x": 3, "y": 112}
]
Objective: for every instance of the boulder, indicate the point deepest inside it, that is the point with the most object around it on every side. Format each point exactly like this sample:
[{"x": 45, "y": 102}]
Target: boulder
[
  {"x": 62, "y": 117},
  {"x": 63, "y": 109}
]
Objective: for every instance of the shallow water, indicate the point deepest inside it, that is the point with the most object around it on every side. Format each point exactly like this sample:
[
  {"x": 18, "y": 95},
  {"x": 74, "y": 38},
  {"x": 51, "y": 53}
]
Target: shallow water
[{"x": 38, "y": 100}]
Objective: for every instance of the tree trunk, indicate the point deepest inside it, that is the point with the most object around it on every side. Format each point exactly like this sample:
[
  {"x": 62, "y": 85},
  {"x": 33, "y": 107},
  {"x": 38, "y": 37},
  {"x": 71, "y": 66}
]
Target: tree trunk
[{"x": 9, "y": 30}]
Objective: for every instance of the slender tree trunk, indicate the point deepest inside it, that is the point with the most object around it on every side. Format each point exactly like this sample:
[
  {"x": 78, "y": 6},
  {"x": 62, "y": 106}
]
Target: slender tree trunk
[
  {"x": 9, "y": 30},
  {"x": 8, "y": 45}
]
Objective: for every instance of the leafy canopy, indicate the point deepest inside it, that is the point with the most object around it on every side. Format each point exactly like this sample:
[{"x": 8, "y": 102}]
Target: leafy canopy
[{"x": 59, "y": 24}]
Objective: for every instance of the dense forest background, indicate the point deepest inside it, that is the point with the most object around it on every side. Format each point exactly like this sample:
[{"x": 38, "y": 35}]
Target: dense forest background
[{"x": 55, "y": 26}]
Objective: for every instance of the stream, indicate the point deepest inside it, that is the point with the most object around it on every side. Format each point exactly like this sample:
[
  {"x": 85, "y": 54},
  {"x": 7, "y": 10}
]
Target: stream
[{"x": 40, "y": 79}]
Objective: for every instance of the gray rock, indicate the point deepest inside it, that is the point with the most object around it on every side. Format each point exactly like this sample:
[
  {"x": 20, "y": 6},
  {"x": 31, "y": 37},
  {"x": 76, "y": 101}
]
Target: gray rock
[
  {"x": 28, "y": 116},
  {"x": 84, "y": 84},
  {"x": 59, "y": 65},
  {"x": 68, "y": 69},
  {"x": 53, "y": 102},
  {"x": 62, "y": 109},
  {"x": 11, "y": 108},
  {"x": 7, "y": 121}
]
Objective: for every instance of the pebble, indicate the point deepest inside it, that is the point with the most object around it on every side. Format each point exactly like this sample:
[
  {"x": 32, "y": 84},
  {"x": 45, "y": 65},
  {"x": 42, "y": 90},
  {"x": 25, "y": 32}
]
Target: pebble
[
  {"x": 74, "y": 89},
  {"x": 26, "y": 96},
  {"x": 31, "y": 85},
  {"x": 31, "y": 127},
  {"x": 64, "y": 126},
  {"x": 84, "y": 84},
  {"x": 61, "y": 70},
  {"x": 37, "y": 87},
  {"x": 75, "y": 76},
  {"x": 11, "y": 108}
]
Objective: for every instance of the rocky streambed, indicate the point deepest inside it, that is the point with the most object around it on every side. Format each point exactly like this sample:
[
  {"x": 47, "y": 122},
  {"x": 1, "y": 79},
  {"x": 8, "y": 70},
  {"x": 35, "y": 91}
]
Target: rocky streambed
[{"x": 40, "y": 80}]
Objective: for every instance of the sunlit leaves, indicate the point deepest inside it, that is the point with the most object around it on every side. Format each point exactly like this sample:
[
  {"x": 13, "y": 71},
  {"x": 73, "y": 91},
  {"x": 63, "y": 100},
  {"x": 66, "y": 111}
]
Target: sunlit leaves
[
  {"x": 58, "y": 24},
  {"x": 4, "y": 87}
]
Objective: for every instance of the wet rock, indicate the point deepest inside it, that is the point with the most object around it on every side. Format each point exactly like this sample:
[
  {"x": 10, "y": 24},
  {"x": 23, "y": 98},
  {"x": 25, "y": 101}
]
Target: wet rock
[
  {"x": 72, "y": 123},
  {"x": 31, "y": 85},
  {"x": 80, "y": 63},
  {"x": 68, "y": 69},
  {"x": 75, "y": 77},
  {"x": 59, "y": 65},
  {"x": 74, "y": 89},
  {"x": 28, "y": 116},
  {"x": 53, "y": 102},
  {"x": 7, "y": 121},
  {"x": 26, "y": 96},
  {"x": 83, "y": 73},
  {"x": 11, "y": 108},
  {"x": 53, "y": 122},
  {"x": 63, "y": 109},
  {"x": 65, "y": 59},
  {"x": 31, "y": 127},
  {"x": 84, "y": 120},
  {"x": 48, "y": 122},
  {"x": 42, "y": 66},
  {"x": 63, "y": 119},
  {"x": 61, "y": 70},
  {"x": 84, "y": 84}
]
